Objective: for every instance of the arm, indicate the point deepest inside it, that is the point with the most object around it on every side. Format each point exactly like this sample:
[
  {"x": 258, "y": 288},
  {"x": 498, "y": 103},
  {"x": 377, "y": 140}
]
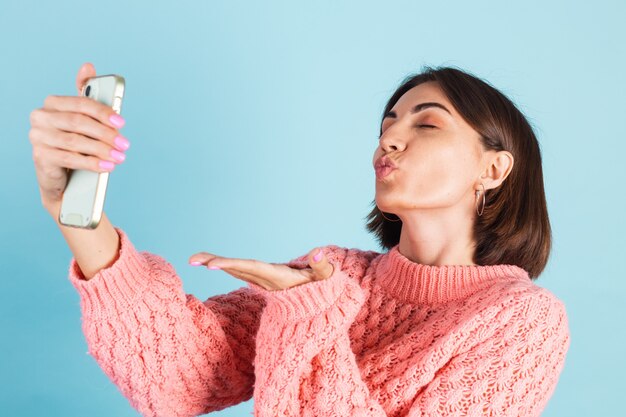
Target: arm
[
  {"x": 513, "y": 373},
  {"x": 169, "y": 353},
  {"x": 304, "y": 363},
  {"x": 93, "y": 249}
]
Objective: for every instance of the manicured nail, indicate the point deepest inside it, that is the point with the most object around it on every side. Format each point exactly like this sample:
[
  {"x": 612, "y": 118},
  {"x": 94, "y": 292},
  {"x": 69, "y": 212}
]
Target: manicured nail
[
  {"x": 108, "y": 165},
  {"x": 117, "y": 120},
  {"x": 318, "y": 256},
  {"x": 121, "y": 143},
  {"x": 195, "y": 263},
  {"x": 214, "y": 267},
  {"x": 117, "y": 155}
]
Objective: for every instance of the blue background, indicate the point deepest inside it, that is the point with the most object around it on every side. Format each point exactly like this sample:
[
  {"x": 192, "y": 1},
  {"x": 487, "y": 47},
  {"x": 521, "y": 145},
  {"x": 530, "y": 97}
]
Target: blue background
[{"x": 252, "y": 129}]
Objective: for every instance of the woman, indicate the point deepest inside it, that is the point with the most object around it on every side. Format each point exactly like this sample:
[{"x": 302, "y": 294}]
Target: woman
[{"x": 446, "y": 322}]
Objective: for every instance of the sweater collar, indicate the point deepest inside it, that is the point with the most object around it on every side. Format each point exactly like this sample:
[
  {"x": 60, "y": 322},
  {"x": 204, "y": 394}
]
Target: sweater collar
[{"x": 432, "y": 284}]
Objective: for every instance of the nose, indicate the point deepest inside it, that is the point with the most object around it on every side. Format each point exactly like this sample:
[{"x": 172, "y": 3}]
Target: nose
[{"x": 389, "y": 142}]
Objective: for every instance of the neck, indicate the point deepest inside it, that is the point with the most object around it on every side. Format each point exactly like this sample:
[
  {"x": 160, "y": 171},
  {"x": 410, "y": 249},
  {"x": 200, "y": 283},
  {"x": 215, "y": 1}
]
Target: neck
[{"x": 436, "y": 239}]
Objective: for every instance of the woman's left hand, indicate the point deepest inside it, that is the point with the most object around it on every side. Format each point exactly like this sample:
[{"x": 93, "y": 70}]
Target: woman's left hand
[{"x": 270, "y": 276}]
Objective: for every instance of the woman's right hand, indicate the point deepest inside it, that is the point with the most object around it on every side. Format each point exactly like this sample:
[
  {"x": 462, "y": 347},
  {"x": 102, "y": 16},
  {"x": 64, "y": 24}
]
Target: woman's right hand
[{"x": 72, "y": 132}]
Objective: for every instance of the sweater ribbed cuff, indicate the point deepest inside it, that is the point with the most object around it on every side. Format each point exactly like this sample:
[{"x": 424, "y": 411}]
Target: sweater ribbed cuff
[
  {"x": 121, "y": 282},
  {"x": 307, "y": 300}
]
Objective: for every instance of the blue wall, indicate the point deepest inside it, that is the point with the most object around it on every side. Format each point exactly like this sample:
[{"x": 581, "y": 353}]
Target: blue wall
[{"x": 252, "y": 129}]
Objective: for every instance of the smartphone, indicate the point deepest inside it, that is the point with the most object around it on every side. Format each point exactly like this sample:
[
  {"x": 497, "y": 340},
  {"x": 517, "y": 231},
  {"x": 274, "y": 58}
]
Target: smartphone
[{"x": 84, "y": 195}]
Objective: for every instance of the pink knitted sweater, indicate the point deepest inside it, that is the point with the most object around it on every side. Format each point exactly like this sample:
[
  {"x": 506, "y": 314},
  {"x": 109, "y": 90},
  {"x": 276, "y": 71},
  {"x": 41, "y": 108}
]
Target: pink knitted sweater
[{"x": 383, "y": 336}]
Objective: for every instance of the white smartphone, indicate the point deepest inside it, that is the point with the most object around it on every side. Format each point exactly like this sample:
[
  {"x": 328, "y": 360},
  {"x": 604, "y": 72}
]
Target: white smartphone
[{"x": 85, "y": 192}]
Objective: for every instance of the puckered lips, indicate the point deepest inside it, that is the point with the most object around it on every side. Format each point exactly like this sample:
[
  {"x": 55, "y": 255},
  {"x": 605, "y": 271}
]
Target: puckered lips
[{"x": 383, "y": 166}]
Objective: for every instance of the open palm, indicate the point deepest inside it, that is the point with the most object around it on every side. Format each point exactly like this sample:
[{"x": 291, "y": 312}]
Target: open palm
[{"x": 270, "y": 276}]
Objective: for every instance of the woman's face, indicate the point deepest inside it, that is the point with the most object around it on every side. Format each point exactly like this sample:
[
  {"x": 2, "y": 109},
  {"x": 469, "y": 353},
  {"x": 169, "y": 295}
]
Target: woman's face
[{"x": 437, "y": 154}]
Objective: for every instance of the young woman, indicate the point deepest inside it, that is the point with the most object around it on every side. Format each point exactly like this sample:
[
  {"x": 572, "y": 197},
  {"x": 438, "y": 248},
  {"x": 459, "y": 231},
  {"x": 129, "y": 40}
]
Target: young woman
[{"x": 446, "y": 322}]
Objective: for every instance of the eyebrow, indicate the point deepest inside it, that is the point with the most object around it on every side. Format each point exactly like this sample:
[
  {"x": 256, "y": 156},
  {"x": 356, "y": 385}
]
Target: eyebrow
[{"x": 419, "y": 107}]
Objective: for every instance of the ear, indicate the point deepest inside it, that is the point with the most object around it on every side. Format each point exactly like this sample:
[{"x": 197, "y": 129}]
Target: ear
[{"x": 499, "y": 166}]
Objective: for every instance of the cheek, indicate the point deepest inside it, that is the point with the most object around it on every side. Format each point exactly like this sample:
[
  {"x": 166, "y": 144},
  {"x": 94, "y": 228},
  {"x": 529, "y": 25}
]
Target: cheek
[{"x": 443, "y": 176}]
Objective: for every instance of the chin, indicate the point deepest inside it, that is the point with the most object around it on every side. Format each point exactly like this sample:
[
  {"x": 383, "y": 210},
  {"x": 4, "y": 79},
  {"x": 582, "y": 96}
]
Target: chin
[{"x": 385, "y": 206}]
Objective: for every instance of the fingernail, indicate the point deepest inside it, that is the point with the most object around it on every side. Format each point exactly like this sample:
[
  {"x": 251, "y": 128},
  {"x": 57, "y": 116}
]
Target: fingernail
[
  {"x": 214, "y": 267},
  {"x": 121, "y": 143},
  {"x": 117, "y": 120},
  {"x": 318, "y": 256},
  {"x": 195, "y": 263},
  {"x": 117, "y": 155},
  {"x": 108, "y": 165}
]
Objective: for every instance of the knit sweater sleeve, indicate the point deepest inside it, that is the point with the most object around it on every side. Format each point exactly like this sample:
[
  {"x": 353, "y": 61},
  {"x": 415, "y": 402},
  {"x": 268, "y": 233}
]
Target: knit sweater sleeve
[
  {"x": 512, "y": 373},
  {"x": 169, "y": 353},
  {"x": 304, "y": 364}
]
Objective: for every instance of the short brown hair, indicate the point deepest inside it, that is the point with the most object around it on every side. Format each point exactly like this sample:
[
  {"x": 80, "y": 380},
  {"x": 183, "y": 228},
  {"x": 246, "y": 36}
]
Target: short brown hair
[{"x": 514, "y": 228}]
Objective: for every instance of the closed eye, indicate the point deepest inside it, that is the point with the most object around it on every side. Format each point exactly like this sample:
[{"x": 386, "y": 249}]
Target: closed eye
[{"x": 420, "y": 126}]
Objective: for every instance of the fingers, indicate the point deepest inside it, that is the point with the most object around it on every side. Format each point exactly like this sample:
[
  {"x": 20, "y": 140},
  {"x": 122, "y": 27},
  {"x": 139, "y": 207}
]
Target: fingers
[
  {"x": 322, "y": 268},
  {"x": 59, "y": 158},
  {"x": 248, "y": 270},
  {"x": 82, "y": 105},
  {"x": 201, "y": 258},
  {"x": 260, "y": 269},
  {"x": 245, "y": 267},
  {"x": 76, "y": 143},
  {"x": 78, "y": 115},
  {"x": 86, "y": 71}
]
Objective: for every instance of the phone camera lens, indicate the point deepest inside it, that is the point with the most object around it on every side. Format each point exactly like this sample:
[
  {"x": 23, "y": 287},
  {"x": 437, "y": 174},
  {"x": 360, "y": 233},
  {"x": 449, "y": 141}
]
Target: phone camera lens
[{"x": 88, "y": 90}]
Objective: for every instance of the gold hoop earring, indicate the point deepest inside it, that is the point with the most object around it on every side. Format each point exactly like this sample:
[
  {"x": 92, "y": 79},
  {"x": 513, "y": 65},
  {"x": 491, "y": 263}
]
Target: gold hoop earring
[
  {"x": 383, "y": 214},
  {"x": 477, "y": 194}
]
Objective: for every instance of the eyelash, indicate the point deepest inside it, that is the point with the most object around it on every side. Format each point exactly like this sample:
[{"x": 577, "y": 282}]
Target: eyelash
[{"x": 422, "y": 125}]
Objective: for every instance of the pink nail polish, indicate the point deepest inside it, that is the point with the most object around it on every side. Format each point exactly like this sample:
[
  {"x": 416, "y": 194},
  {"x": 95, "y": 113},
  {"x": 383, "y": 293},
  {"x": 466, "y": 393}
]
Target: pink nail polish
[
  {"x": 117, "y": 155},
  {"x": 214, "y": 267},
  {"x": 318, "y": 256},
  {"x": 195, "y": 263},
  {"x": 107, "y": 165},
  {"x": 117, "y": 120},
  {"x": 121, "y": 143}
]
